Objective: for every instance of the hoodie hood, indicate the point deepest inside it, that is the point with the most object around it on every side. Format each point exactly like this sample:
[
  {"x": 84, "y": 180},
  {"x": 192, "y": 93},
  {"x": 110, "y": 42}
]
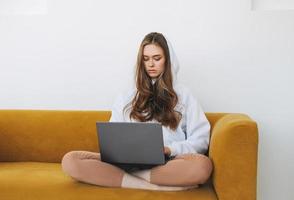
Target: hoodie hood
[{"x": 175, "y": 67}]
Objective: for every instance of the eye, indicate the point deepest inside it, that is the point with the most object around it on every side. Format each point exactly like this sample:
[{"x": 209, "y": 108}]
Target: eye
[
  {"x": 145, "y": 58},
  {"x": 157, "y": 58}
]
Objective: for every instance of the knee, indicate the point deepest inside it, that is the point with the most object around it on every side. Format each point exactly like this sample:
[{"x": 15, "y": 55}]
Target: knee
[
  {"x": 69, "y": 164},
  {"x": 201, "y": 173}
]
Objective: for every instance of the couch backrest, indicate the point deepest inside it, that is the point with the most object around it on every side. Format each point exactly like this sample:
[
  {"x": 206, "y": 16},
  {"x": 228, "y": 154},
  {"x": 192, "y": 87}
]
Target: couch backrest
[{"x": 46, "y": 135}]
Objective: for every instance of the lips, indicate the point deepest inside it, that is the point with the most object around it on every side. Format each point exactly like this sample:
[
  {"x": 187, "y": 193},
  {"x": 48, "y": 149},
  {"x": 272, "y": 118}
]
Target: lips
[{"x": 152, "y": 71}]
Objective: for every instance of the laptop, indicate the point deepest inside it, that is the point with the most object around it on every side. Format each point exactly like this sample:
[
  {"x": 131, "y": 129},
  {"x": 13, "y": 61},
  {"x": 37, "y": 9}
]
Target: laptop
[{"x": 131, "y": 144}]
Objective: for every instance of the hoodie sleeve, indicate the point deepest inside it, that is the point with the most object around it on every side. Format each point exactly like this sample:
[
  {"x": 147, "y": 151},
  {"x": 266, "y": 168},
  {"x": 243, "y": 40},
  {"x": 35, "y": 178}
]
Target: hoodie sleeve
[{"x": 197, "y": 129}]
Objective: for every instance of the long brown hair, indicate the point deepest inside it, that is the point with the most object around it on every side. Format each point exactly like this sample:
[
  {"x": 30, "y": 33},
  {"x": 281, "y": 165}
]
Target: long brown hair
[{"x": 155, "y": 101}]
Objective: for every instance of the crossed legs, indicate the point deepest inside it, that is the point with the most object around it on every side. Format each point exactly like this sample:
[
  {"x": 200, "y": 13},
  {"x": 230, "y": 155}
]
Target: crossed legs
[{"x": 184, "y": 170}]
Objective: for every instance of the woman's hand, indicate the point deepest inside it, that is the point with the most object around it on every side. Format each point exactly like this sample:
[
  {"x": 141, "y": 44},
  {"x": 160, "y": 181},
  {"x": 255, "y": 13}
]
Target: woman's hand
[{"x": 167, "y": 151}]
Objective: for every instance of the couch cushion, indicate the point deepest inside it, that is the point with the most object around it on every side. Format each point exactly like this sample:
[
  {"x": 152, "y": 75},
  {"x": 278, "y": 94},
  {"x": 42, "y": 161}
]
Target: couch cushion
[
  {"x": 40, "y": 180},
  {"x": 36, "y": 135}
]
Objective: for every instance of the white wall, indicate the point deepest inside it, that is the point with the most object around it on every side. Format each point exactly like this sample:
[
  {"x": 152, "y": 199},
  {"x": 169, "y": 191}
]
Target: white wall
[{"x": 80, "y": 54}]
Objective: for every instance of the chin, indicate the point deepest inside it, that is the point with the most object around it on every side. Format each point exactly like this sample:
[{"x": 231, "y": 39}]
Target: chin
[{"x": 153, "y": 76}]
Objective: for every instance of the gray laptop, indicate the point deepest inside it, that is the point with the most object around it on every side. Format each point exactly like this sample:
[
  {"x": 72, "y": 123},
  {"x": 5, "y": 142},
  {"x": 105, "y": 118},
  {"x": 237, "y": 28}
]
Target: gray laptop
[{"x": 131, "y": 144}]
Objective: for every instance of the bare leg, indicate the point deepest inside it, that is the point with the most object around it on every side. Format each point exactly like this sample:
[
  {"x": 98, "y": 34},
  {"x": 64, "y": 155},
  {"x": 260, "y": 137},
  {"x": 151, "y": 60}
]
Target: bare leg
[
  {"x": 87, "y": 167},
  {"x": 184, "y": 170}
]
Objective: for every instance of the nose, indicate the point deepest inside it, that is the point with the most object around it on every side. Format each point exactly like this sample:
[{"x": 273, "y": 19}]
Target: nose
[{"x": 150, "y": 63}]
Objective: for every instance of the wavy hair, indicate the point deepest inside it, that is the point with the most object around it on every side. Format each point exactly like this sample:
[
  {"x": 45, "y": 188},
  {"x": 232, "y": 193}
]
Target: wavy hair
[{"x": 155, "y": 101}]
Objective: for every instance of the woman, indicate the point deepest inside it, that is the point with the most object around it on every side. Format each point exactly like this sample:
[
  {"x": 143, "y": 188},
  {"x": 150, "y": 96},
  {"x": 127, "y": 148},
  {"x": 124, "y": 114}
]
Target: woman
[{"x": 157, "y": 97}]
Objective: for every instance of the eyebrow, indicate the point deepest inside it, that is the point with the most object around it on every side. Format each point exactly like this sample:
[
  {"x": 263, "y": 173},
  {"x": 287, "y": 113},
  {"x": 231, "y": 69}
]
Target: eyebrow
[{"x": 153, "y": 55}]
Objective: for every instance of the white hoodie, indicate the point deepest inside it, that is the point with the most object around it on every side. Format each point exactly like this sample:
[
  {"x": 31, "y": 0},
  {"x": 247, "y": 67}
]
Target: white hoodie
[{"x": 192, "y": 134}]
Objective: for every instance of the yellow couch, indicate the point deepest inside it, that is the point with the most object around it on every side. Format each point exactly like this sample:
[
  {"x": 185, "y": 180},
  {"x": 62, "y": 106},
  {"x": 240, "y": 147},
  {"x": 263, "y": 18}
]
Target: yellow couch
[{"x": 33, "y": 142}]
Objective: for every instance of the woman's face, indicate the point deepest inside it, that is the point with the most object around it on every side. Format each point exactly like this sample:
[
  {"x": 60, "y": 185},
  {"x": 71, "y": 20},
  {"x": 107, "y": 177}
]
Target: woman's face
[{"x": 154, "y": 60}]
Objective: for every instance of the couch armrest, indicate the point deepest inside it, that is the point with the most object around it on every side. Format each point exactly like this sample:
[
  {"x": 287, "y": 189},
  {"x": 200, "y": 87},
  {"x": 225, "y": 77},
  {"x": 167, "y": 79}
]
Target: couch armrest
[{"x": 233, "y": 150}]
